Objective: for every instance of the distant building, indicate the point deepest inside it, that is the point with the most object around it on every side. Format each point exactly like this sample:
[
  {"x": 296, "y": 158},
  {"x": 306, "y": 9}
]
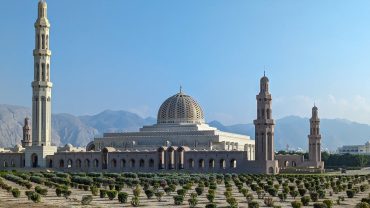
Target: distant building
[{"x": 355, "y": 149}]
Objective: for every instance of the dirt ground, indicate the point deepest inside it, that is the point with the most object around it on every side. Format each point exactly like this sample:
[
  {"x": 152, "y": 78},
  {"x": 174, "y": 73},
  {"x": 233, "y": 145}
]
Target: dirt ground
[{"x": 52, "y": 201}]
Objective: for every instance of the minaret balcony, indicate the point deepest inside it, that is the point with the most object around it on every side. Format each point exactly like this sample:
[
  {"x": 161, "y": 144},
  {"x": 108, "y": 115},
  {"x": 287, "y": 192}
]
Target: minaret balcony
[
  {"x": 41, "y": 52},
  {"x": 41, "y": 84}
]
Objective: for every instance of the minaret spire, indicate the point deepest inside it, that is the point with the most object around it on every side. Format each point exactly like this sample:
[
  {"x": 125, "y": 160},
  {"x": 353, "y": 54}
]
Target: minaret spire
[
  {"x": 41, "y": 104},
  {"x": 314, "y": 139}
]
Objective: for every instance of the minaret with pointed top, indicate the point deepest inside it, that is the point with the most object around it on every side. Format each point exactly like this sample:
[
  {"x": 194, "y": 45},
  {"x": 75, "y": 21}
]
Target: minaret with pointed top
[
  {"x": 314, "y": 139},
  {"x": 27, "y": 140},
  {"x": 264, "y": 124},
  {"x": 41, "y": 101}
]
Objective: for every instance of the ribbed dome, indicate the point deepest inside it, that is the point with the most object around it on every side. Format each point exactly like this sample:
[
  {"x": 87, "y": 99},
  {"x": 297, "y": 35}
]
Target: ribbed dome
[{"x": 180, "y": 108}]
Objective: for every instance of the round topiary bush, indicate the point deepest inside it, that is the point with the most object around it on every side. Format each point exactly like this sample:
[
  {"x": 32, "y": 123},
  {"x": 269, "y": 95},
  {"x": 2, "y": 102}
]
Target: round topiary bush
[
  {"x": 296, "y": 204},
  {"x": 350, "y": 193},
  {"x": 178, "y": 200},
  {"x": 122, "y": 197},
  {"x": 111, "y": 194},
  {"x": 135, "y": 201},
  {"x": 211, "y": 205},
  {"x": 362, "y": 205},
  {"x": 329, "y": 203},
  {"x": 253, "y": 204},
  {"x": 149, "y": 193},
  {"x": 319, "y": 205},
  {"x": 16, "y": 193},
  {"x": 35, "y": 197},
  {"x": 86, "y": 199},
  {"x": 305, "y": 200}
]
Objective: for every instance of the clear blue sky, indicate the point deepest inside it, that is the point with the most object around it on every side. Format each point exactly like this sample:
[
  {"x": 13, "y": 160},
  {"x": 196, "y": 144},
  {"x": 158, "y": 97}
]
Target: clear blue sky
[{"x": 132, "y": 55}]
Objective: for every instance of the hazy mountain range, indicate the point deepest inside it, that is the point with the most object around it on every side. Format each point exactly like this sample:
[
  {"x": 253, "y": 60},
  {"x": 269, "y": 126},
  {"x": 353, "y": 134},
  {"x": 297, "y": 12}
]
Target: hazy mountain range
[{"x": 79, "y": 130}]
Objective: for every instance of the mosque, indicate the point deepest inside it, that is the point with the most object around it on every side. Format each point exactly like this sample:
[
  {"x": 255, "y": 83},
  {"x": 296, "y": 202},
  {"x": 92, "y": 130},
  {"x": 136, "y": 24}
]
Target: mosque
[{"x": 179, "y": 141}]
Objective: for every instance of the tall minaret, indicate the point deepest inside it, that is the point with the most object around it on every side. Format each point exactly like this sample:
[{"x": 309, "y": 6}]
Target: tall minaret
[
  {"x": 264, "y": 124},
  {"x": 41, "y": 100},
  {"x": 314, "y": 139},
  {"x": 27, "y": 140}
]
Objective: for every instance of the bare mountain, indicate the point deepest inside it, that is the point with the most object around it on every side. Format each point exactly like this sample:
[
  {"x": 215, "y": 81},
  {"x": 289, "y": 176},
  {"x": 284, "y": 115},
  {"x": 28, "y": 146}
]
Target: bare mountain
[{"x": 79, "y": 130}]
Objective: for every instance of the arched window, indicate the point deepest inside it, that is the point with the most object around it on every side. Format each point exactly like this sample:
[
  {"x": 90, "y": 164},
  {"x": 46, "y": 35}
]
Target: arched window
[
  {"x": 201, "y": 163},
  {"x": 191, "y": 163},
  {"x": 12, "y": 163},
  {"x": 47, "y": 72},
  {"x": 43, "y": 41},
  {"x": 78, "y": 163},
  {"x": 286, "y": 163},
  {"x": 211, "y": 163},
  {"x": 142, "y": 163},
  {"x": 222, "y": 164},
  {"x": 96, "y": 163},
  {"x": 151, "y": 163},
  {"x": 294, "y": 164},
  {"x": 132, "y": 163},
  {"x": 268, "y": 113},
  {"x": 123, "y": 163},
  {"x": 61, "y": 163},
  {"x": 233, "y": 163},
  {"x": 114, "y": 163},
  {"x": 37, "y": 71},
  {"x": 5, "y": 164},
  {"x": 69, "y": 163},
  {"x": 47, "y": 41},
  {"x": 271, "y": 170},
  {"x": 87, "y": 163},
  {"x": 38, "y": 41},
  {"x": 43, "y": 71}
]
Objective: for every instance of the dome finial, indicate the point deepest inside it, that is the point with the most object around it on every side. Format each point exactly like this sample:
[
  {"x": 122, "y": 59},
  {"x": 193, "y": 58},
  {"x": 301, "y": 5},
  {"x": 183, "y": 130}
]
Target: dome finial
[{"x": 180, "y": 88}]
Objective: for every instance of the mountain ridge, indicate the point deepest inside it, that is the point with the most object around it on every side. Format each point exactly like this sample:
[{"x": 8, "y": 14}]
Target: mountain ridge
[{"x": 79, "y": 130}]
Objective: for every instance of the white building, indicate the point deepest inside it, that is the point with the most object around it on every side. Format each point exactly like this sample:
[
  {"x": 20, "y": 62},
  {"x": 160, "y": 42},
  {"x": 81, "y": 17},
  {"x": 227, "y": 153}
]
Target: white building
[{"x": 355, "y": 149}]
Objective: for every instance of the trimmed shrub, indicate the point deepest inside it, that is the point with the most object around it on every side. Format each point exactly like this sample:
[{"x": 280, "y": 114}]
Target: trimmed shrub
[
  {"x": 67, "y": 193},
  {"x": 149, "y": 193},
  {"x": 35, "y": 197},
  {"x": 112, "y": 194},
  {"x": 211, "y": 205},
  {"x": 362, "y": 205},
  {"x": 86, "y": 199},
  {"x": 329, "y": 203},
  {"x": 296, "y": 204},
  {"x": 41, "y": 191},
  {"x": 232, "y": 202},
  {"x": 159, "y": 195},
  {"x": 178, "y": 200},
  {"x": 135, "y": 201},
  {"x": 199, "y": 190},
  {"x": 94, "y": 190},
  {"x": 103, "y": 193},
  {"x": 350, "y": 193},
  {"x": 305, "y": 200},
  {"x": 302, "y": 191},
  {"x": 193, "y": 201},
  {"x": 319, "y": 205},
  {"x": 137, "y": 191},
  {"x": 16, "y": 193},
  {"x": 122, "y": 197},
  {"x": 211, "y": 197},
  {"x": 253, "y": 204},
  {"x": 269, "y": 201},
  {"x": 58, "y": 192},
  {"x": 181, "y": 192},
  {"x": 314, "y": 196}
]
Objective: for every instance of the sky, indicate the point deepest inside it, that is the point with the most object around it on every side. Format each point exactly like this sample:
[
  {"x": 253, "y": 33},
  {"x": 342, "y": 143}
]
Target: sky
[{"x": 132, "y": 55}]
